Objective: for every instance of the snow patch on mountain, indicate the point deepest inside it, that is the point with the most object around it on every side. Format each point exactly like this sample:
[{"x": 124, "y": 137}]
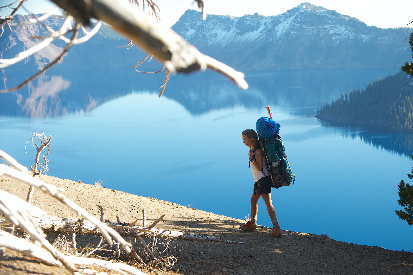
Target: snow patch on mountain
[
  {"x": 189, "y": 34},
  {"x": 284, "y": 27}
]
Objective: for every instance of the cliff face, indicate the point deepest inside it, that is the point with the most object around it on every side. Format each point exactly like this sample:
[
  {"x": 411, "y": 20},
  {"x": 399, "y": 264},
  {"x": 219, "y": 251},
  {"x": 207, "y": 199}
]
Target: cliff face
[{"x": 305, "y": 37}]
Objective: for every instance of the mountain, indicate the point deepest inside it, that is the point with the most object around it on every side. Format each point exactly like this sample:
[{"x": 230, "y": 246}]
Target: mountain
[{"x": 305, "y": 37}]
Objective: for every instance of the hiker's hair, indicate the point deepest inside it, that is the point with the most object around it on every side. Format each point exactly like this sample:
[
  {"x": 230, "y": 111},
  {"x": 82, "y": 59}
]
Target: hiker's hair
[{"x": 250, "y": 133}]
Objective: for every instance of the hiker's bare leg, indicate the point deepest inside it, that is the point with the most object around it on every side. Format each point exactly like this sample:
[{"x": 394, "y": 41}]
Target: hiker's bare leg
[
  {"x": 254, "y": 203},
  {"x": 276, "y": 230},
  {"x": 268, "y": 203}
]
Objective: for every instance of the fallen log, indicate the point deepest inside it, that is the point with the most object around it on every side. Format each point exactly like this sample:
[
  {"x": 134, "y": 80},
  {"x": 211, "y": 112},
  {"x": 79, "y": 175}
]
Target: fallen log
[
  {"x": 26, "y": 248},
  {"x": 69, "y": 225}
]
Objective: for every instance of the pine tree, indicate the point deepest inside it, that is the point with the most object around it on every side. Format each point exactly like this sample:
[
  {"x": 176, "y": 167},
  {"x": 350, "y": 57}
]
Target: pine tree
[
  {"x": 406, "y": 200},
  {"x": 408, "y": 68}
]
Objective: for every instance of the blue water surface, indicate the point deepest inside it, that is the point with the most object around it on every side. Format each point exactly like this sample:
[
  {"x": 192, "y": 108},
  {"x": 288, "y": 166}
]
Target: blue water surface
[{"x": 186, "y": 147}]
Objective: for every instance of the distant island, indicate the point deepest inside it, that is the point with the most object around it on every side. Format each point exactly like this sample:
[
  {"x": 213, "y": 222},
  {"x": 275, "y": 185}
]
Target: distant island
[{"x": 385, "y": 104}]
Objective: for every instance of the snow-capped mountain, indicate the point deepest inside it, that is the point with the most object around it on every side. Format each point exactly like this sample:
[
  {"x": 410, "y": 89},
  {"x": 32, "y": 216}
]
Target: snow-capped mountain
[{"x": 306, "y": 36}]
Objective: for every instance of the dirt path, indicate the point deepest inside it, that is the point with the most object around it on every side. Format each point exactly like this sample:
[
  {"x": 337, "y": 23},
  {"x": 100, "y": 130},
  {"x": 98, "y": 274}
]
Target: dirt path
[{"x": 249, "y": 253}]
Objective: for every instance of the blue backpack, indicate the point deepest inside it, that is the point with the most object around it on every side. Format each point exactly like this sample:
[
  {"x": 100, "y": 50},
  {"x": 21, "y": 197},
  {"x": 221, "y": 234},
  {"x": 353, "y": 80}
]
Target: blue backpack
[{"x": 274, "y": 151}]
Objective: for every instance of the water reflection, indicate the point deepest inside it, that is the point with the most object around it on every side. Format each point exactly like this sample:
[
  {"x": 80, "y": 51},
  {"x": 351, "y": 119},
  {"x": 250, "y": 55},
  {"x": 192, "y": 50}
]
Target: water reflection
[
  {"x": 70, "y": 91},
  {"x": 297, "y": 92},
  {"x": 348, "y": 187},
  {"x": 43, "y": 99},
  {"x": 66, "y": 92},
  {"x": 399, "y": 143},
  {"x": 300, "y": 92}
]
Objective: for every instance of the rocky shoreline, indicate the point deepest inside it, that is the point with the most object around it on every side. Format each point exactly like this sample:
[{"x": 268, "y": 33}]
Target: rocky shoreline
[{"x": 246, "y": 253}]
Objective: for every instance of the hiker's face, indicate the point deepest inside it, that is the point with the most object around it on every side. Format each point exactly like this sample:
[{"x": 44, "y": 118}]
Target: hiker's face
[{"x": 247, "y": 141}]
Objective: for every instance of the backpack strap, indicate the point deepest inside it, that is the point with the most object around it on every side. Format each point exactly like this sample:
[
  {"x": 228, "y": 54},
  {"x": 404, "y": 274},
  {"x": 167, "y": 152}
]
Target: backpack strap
[{"x": 257, "y": 146}]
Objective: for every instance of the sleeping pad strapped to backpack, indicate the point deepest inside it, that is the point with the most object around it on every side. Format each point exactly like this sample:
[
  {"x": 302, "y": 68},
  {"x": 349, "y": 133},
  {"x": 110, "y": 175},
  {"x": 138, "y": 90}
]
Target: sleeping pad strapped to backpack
[{"x": 274, "y": 151}]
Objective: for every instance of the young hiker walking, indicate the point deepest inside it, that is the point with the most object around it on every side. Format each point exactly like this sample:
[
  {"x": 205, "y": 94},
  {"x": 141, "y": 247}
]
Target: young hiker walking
[{"x": 262, "y": 186}]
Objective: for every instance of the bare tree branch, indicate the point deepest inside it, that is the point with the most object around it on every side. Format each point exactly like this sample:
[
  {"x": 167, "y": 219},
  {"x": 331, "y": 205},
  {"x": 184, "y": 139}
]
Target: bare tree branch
[
  {"x": 55, "y": 61},
  {"x": 6, "y": 157},
  {"x": 118, "y": 267},
  {"x": 201, "y": 5},
  {"x": 138, "y": 24},
  {"x": 13, "y": 210},
  {"x": 7, "y": 19},
  {"x": 44, "y": 142},
  {"x": 57, "y": 193},
  {"x": 26, "y": 248},
  {"x": 46, "y": 42},
  {"x": 166, "y": 79},
  {"x": 149, "y": 34}
]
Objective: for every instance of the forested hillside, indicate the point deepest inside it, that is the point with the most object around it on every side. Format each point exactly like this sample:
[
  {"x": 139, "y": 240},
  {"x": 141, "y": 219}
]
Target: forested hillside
[{"x": 386, "y": 103}]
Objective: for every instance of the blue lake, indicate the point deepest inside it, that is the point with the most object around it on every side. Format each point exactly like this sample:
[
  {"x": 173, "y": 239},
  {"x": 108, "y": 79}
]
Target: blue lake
[{"x": 186, "y": 146}]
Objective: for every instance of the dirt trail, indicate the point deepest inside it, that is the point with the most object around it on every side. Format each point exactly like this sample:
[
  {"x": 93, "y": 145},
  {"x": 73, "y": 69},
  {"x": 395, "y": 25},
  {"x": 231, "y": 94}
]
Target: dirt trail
[{"x": 248, "y": 253}]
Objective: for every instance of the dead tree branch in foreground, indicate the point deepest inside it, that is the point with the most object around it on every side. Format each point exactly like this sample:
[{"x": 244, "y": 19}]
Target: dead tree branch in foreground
[
  {"x": 19, "y": 213},
  {"x": 152, "y": 36},
  {"x": 146, "y": 247},
  {"x": 145, "y": 31},
  {"x": 44, "y": 142},
  {"x": 41, "y": 143}
]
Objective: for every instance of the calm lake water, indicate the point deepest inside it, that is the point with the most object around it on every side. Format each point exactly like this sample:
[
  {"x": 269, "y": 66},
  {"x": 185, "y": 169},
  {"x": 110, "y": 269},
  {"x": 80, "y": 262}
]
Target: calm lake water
[{"x": 186, "y": 147}]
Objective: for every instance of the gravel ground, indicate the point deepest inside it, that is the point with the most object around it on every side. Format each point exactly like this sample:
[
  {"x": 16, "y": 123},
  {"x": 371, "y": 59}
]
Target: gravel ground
[{"x": 245, "y": 253}]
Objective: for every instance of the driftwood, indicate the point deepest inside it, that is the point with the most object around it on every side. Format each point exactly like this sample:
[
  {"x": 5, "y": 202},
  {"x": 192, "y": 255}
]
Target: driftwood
[
  {"x": 20, "y": 213},
  {"x": 68, "y": 225},
  {"x": 29, "y": 249},
  {"x": 26, "y": 248},
  {"x": 118, "y": 267},
  {"x": 58, "y": 193},
  {"x": 7, "y": 158},
  {"x": 35, "y": 223}
]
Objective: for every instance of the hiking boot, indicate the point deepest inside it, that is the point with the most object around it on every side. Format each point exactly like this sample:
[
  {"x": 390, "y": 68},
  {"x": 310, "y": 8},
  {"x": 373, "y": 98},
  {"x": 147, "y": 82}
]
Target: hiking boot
[
  {"x": 249, "y": 226},
  {"x": 276, "y": 231}
]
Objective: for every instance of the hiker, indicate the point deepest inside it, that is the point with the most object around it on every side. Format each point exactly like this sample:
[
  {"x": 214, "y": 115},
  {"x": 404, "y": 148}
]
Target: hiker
[{"x": 262, "y": 186}]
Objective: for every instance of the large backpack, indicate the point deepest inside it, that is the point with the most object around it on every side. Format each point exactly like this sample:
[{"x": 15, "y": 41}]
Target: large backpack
[{"x": 274, "y": 151}]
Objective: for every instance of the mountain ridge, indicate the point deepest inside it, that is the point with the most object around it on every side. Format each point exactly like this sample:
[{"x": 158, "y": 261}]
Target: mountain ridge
[{"x": 306, "y": 36}]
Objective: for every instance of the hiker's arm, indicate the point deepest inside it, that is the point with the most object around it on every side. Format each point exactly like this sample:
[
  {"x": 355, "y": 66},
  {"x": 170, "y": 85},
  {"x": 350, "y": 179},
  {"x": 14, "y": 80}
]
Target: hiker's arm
[{"x": 258, "y": 159}]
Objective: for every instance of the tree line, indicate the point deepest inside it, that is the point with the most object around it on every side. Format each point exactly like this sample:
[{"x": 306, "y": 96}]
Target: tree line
[{"x": 386, "y": 103}]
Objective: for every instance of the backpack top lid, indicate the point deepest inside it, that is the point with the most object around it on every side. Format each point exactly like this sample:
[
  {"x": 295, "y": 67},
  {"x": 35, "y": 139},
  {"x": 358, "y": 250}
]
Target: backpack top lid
[{"x": 267, "y": 127}]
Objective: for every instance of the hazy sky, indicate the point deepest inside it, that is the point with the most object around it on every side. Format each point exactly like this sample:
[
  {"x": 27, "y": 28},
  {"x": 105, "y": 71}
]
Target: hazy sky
[{"x": 382, "y": 14}]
